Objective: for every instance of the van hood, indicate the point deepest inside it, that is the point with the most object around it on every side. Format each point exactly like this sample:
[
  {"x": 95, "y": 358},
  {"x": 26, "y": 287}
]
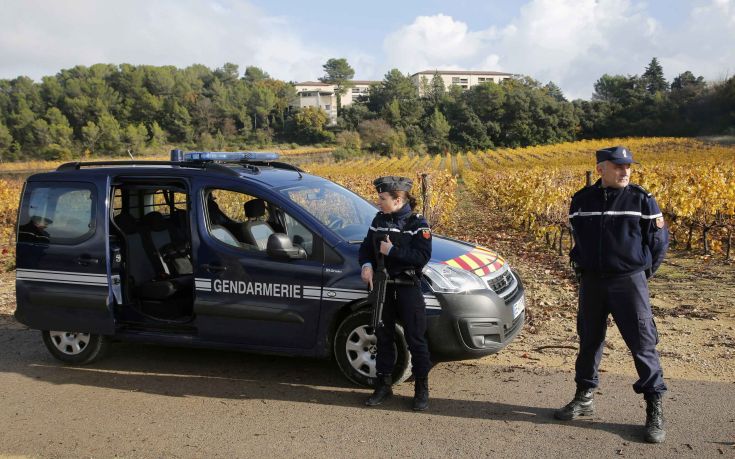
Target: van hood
[{"x": 463, "y": 255}]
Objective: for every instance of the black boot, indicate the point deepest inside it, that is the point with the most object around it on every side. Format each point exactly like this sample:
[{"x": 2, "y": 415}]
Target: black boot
[
  {"x": 583, "y": 404},
  {"x": 655, "y": 432},
  {"x": 382, "y": 390},
  {"x": 421, "y": 394}
]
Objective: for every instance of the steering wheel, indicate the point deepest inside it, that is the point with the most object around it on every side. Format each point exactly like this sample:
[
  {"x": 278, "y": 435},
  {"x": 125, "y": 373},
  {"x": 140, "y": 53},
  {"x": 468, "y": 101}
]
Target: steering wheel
[{"x": 335, "y": 222}]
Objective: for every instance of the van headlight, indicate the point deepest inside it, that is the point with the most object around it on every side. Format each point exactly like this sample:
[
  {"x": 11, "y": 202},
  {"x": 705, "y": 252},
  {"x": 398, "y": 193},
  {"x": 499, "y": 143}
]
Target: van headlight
[{"x": 446, "y": 279}]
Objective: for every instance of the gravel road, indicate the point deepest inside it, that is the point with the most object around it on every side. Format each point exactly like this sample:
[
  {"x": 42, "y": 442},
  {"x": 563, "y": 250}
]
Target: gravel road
[{"x": 152, "y": 401}]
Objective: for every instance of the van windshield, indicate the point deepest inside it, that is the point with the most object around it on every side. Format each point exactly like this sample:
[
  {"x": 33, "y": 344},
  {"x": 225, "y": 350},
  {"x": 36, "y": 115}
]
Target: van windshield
[{"x": 336, "y": 207}]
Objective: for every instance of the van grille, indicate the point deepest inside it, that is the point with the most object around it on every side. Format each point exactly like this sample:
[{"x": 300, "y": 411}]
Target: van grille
[{"x": 501, "y": 283}]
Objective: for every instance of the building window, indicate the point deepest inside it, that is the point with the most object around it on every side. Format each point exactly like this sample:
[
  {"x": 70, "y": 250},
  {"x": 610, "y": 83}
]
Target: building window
[
  {"x": 463, "y": 80},
  {"x": 355, "y": 90},
  {"x": 480, "y": 80},
  {"x": 455, "y": 80},
  {"x": 327, "y": 107}
]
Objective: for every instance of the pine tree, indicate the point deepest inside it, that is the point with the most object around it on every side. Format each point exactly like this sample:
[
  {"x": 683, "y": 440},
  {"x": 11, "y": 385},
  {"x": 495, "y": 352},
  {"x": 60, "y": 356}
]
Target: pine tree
[{"x": 654, "y": 79}]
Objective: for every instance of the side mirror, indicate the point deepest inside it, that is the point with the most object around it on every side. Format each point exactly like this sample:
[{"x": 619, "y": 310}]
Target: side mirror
[{"x": 280, "y": 246}]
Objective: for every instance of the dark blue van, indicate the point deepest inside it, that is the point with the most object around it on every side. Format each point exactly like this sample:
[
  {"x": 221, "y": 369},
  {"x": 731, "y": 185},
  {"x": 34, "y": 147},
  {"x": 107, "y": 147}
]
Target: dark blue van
[{"x": 236, "y": 251}]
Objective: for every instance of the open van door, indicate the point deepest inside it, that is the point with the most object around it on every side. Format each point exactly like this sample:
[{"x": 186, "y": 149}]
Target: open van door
[{"x": 61, "y": 262}]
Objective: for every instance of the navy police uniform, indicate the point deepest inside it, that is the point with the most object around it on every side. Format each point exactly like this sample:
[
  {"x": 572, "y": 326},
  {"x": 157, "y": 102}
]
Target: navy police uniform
[
  {"x": 620, "y": 241},
  {"x": 411, "y": 238}
]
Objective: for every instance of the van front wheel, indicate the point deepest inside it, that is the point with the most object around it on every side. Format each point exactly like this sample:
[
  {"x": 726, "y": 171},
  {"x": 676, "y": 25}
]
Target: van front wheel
[
  {"x": 73, "y": 347},
  {"x": 355, "y": 350}
]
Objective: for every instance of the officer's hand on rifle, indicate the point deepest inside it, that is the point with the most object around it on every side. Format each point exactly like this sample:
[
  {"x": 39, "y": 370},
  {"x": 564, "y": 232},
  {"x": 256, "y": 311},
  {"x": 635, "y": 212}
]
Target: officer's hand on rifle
[
  {"x": 367, "y": 276},
  {"x": 385, "y": 246}
]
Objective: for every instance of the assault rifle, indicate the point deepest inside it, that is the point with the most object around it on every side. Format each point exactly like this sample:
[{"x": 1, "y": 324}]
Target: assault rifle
[{"x": 381, "y": 279}]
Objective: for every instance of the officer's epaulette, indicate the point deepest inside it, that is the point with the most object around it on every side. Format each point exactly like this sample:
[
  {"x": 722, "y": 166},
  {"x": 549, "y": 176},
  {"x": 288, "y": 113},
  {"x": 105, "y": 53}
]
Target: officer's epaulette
[
  {"x": 418, "y": 217},
  {"x": 640, "y": 189}
]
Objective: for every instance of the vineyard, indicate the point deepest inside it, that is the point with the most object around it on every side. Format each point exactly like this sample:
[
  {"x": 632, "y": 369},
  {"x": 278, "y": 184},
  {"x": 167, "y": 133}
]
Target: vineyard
[
  {"x": 530, "y": 188},
  {"x": 693, "y": 182}
]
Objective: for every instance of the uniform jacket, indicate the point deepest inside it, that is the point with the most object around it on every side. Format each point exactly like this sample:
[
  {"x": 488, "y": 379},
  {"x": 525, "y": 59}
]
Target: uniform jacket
[
  {"x": 617, "y": 231},
  {"x": 411, "y": 238}
]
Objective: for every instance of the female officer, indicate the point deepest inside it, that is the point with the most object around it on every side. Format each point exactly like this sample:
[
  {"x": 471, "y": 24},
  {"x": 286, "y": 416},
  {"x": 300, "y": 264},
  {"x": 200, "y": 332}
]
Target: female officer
[{"x": 403, "y": 238}]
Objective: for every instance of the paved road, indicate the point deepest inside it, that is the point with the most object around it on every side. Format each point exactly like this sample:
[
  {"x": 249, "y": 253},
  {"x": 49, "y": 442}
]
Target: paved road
[{"x": 150, "y": 401}]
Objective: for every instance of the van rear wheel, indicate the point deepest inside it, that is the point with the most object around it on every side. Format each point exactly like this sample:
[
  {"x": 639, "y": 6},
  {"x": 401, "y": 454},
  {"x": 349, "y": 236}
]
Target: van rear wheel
[
  {"x": 73, "y": 347},
  {"x": 355, "y": 350}
]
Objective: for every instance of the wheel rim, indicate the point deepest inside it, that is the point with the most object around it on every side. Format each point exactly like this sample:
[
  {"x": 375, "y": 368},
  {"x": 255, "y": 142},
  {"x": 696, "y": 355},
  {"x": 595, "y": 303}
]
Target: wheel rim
[
  {"x": 70, "y": 343},
  {"x": 361, "y": 348}
]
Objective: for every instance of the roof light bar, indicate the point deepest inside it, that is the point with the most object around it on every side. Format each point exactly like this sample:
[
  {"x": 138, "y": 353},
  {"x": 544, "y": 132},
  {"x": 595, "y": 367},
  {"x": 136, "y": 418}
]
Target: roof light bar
[{"x": 231, "y": 156}]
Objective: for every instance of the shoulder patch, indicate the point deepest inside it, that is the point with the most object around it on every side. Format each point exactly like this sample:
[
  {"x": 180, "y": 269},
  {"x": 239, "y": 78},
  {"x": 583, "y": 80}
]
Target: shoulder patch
[{"x": 640, "y": 189}]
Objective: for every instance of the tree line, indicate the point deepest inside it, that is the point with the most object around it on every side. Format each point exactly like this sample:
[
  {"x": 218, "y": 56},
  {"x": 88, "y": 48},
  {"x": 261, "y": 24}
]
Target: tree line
[{"x": 110, "y": 109}]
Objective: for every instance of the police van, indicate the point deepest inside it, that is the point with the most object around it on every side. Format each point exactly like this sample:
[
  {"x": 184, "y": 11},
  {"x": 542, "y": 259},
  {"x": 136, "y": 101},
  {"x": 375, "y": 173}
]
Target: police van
[{"x": 233, "y": 251}]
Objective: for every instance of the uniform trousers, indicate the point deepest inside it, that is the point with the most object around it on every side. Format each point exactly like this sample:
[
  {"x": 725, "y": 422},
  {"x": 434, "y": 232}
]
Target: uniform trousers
[
  {"x": 627, "y": 299},
  {"x": 406, "y": 304}
]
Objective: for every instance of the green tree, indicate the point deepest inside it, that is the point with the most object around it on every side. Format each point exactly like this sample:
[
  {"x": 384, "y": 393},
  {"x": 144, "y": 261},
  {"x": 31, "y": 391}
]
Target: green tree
[
  {"x": 255, "y": 74},
  {"x": 110, "y": 134},
  {"x": 309, "y": 124},
  {"x": 653, "y": 78},
  {"x": 434, "y": 90},
  {"x": 6, "y": 143},
  {"x": 262, "y": 101},
  {"x": 60, "y": 133},
  {"x": 687, "y": 80},
  {"x": 353, "y": 115},
  {"x": 396, "y": 99},
  {"x": 228, "y": 73},
  {"x": 90, "y": 136},
  {"x": 134, "y": 137},
  {"x": 158, "y": 136},
  {"x": 177, "y": 121},
  {"x": 437, "y": 133},
  {"x": 377, "y": 135},
  {"x": 555, "y": 92},
  {"x": 339, "y": 73}
]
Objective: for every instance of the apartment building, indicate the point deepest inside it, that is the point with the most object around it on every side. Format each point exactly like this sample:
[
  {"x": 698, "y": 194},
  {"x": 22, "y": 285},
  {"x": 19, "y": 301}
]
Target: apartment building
[
  {"x": 322, "y": 95},
  {"x": 462, "y": 78}
]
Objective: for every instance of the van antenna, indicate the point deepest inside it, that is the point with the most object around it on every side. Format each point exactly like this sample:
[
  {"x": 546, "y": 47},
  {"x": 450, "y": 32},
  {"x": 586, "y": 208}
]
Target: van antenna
[{"x": 131, "y": 155}]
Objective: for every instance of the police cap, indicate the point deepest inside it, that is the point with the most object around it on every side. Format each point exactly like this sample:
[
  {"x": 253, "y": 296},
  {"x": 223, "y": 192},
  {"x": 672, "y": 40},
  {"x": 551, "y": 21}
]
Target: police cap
[
  {"x": 392, "y": 183},
  {"x": 616, "y": 155}
]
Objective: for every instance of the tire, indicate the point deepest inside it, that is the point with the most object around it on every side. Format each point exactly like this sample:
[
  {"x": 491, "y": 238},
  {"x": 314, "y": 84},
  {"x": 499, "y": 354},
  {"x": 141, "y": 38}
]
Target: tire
[
  {"x": 355, "y": 350},
  {"x": 75, "y": 348}
]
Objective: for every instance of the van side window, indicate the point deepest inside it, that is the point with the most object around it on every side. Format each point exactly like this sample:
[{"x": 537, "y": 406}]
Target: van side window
[
  {"x": 246, "y": 221},
  {"x": 57, "y": 213}
]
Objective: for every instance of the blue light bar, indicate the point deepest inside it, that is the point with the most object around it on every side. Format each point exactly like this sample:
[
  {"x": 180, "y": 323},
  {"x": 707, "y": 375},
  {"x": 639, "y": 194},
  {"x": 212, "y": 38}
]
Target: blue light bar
[{"x": 233, "y": 156}]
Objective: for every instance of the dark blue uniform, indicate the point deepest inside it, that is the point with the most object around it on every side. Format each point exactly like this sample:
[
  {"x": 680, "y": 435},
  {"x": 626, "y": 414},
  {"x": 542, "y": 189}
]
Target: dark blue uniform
[
  {"x": 620, "y": 241},
  {"x": 411, "y": 238}
]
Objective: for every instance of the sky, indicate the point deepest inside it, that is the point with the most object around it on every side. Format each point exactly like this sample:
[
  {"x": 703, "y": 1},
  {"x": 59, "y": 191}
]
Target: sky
[{"x": 569, "y": 42}]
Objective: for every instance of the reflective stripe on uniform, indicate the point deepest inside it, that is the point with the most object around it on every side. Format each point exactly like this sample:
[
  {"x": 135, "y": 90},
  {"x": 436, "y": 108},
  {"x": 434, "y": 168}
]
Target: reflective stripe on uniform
[
  {"x": 615, "y": 212},
  {"x": 396, "y": 230}
]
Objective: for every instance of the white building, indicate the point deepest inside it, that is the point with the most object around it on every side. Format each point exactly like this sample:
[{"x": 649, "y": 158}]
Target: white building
[
  {"x": 465, "y": 79},
  {"x": 322, "y": 95}
]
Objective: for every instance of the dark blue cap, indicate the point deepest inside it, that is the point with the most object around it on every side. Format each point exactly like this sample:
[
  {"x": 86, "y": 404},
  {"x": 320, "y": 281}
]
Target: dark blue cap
[
  {"x": 616, "y": 155},
  {"x": 392, "y": 183}
]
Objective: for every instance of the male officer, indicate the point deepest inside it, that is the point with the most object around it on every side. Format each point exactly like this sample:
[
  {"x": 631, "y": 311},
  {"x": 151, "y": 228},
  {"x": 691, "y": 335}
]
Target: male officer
[{"x": 620, "y": 240}]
